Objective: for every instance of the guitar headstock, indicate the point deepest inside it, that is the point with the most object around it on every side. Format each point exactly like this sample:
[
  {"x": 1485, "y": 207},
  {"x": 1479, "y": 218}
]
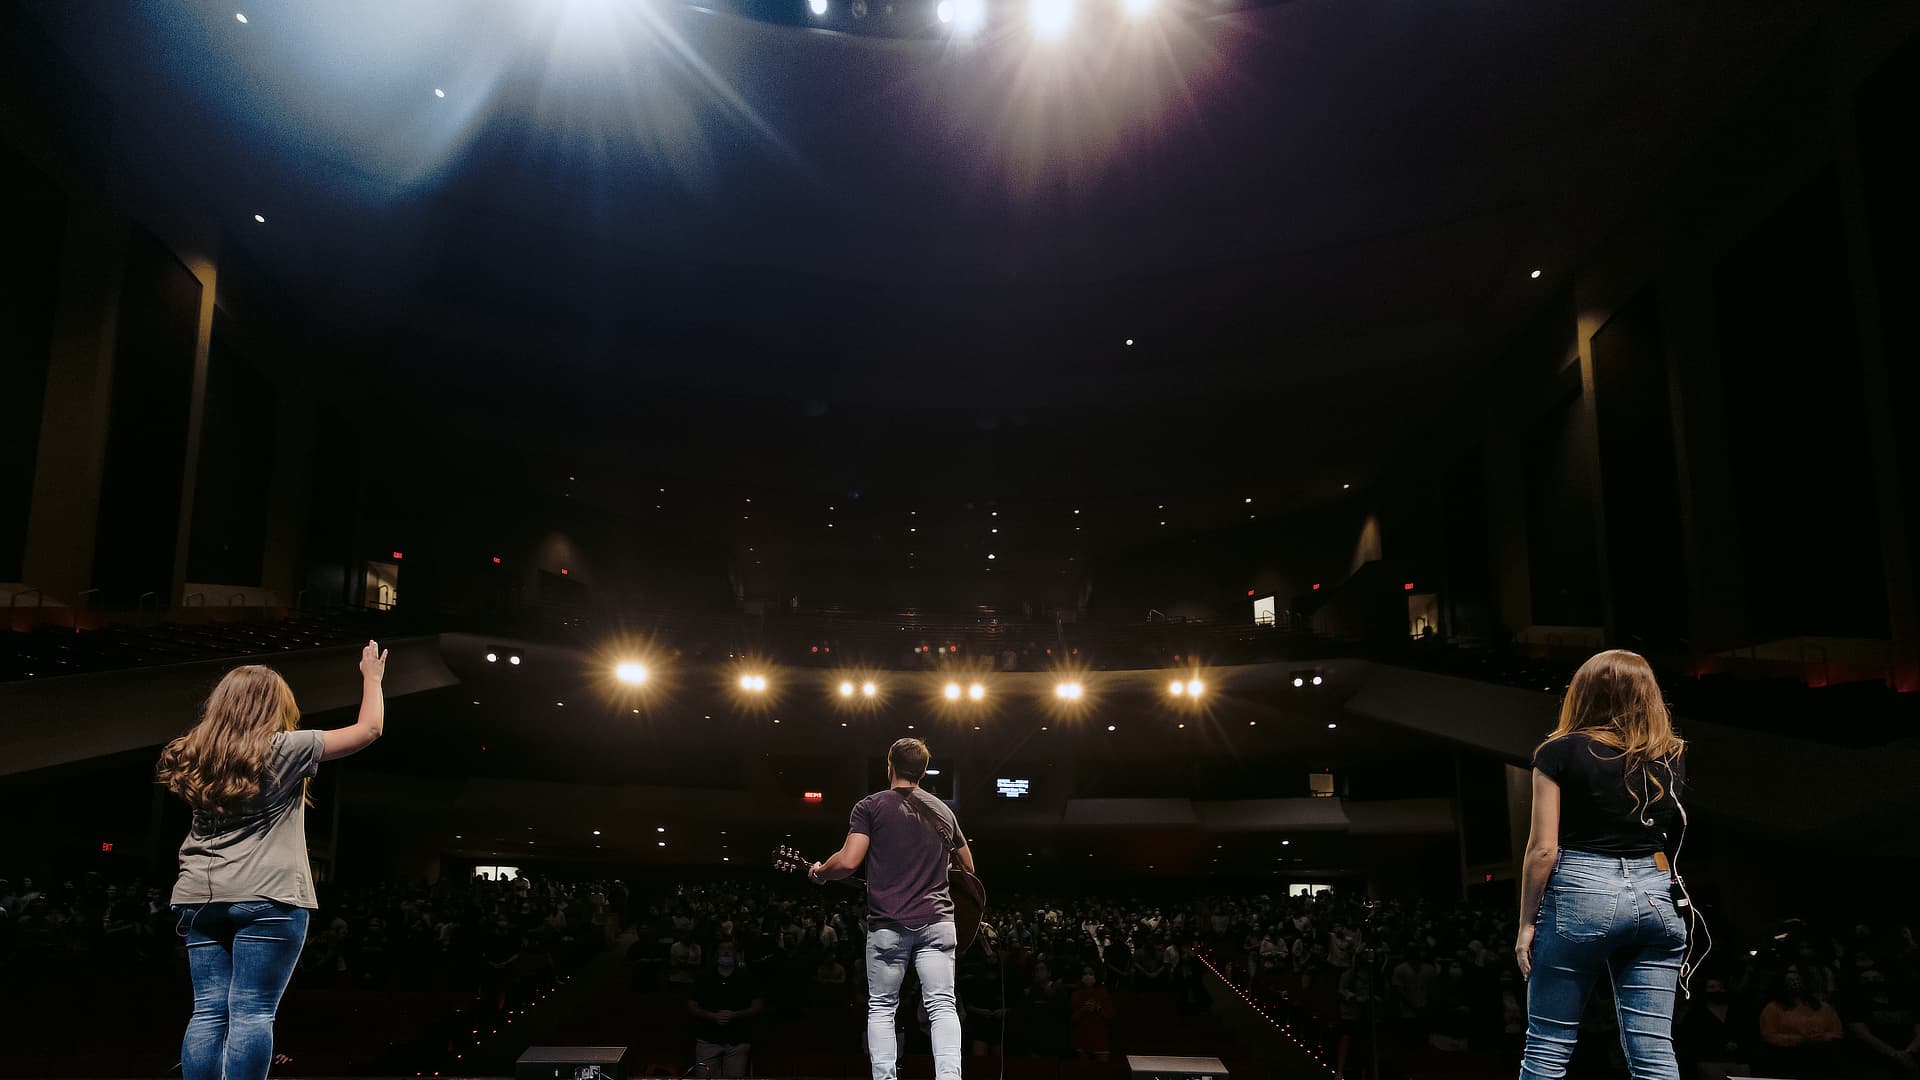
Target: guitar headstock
[{"x": 788, "y": 858}]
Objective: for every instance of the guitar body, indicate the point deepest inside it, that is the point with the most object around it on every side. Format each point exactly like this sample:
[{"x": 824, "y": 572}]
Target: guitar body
[
  {"x": 969, "y": 896},
  {"x": 969, "y": 907}
]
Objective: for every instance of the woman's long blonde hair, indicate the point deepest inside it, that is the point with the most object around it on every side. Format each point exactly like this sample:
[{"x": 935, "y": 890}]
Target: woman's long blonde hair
[
  {"x": 1615, "y": 701},
  {"x": 218, "y": 765}
]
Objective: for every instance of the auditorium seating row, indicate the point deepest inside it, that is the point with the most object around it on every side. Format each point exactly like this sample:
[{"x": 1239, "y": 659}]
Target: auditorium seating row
[{"x": 48, "y": 651}]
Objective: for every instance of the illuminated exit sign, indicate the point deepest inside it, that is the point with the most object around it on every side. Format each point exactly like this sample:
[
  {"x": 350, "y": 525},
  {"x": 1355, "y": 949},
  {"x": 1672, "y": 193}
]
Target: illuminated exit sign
[{"x": 813, "y": 796}]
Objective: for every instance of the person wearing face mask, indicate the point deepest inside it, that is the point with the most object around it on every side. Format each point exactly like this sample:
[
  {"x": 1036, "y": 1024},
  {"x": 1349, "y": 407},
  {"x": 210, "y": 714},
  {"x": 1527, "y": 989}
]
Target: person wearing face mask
[
  {"x": 1092, "y": 1017},
  {"x": 723, "y": 1006},
  {"x": 1711, "y": 1037},
  {"x": 1449, "y": 1015},
  {"x": 1116, "y": 957},
  {"x": 1801, "y": 1030},
  {"x": 1885, "y": 1027},
  {"x": 1043, "y": 1007},
  {"x": 683, "y": 960}
]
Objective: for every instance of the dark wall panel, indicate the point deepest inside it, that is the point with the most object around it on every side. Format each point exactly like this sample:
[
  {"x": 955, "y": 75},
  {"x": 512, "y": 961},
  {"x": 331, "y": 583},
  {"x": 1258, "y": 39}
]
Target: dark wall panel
[
  {"x": 1646, "y": 560},
  {"x": 1563, "y": 559},
  {"x": 147, "y": 427},
  {"x": 229, "y": 536},
  {"x": 36, "y": 214},
  {"x": 1803, "y": 473},
  {"x": 1890, "y": 175}
]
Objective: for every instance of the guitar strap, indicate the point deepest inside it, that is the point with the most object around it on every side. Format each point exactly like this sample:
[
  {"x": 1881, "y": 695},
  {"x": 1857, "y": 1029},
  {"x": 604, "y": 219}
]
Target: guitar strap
[{"x": 927, "y": 817}]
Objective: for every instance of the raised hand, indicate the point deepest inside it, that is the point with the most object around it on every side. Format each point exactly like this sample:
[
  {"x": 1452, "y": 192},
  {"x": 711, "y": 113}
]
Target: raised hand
[{"x": 373, "y": 662}]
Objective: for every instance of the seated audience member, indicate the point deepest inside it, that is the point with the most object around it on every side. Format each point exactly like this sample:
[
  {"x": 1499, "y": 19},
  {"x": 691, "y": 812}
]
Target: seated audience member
[
  {"x": 683, "y": 960},
  {"x": 724, "y": 1003},
  {"x": 1801, "y": 1031},
  {"x": 1044, "y": 1010},
  {"x": 1711, "y": 1037},
  {"x": 1149, "y": 965},
  {"x": 1092, "y": 1017},
  {"x": 1885, "y": 1025},
  {"x": 830, "y": 971},
  {"x": 983, "y": 1008}
]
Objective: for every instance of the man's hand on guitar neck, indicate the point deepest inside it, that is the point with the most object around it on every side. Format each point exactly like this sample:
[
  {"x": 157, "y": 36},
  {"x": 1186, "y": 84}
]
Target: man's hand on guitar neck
[{"x": 841, "y": 863}]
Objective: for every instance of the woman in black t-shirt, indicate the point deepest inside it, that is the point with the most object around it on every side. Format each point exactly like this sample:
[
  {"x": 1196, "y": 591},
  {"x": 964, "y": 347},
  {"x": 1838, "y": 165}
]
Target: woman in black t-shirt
[{"x": 1597, "y": 885}]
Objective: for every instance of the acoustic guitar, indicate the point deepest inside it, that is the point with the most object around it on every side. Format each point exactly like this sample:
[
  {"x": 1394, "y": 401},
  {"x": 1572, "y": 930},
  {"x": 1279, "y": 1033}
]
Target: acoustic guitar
[{"x": 969, "y": 896}]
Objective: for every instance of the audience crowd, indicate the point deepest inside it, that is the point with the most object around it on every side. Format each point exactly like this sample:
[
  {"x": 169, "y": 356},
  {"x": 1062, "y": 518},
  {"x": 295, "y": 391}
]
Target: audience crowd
[{"x": 1375, "y": 988}]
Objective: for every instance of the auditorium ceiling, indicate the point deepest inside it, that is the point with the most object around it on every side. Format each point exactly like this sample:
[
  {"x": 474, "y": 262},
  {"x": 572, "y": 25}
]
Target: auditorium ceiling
[{"x": 1258, "y": 250}]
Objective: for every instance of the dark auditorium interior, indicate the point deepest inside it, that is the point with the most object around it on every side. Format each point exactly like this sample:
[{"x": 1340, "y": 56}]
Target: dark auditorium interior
[{"x": 1219, "y": 428}]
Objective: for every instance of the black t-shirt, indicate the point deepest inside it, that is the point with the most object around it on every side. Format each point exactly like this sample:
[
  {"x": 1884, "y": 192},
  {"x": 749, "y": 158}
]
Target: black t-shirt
[
  {"x": 735, "y": 993},
  {"x": 1602, "y": 808}
]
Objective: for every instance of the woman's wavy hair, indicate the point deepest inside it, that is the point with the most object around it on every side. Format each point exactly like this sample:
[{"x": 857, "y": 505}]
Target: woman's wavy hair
[
  {"x": 218, "y": 765},
  {"x": 1615, "y": 701}
]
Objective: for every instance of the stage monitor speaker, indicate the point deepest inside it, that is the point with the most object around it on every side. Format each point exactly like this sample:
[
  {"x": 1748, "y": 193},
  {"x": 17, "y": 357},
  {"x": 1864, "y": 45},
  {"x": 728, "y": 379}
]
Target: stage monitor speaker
[
  {"x": 1157, "y": 1067},
  {"x": 572, "y": 1063}
]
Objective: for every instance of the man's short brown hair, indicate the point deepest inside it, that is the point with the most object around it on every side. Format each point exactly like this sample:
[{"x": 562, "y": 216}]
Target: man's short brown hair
[{"x": 908, "y": 759}]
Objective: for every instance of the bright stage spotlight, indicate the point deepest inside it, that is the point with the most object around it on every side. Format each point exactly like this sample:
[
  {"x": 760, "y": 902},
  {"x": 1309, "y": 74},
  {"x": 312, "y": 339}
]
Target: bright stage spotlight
[
  {"x": 753, "y": 684},
  {"x": 1137, "y": 7},
  {"x": 952, "y": 691},
  {"x": 1298, "y": 682},
  {"x": 1195, "y": 688},
  {"x": 818, "y": 7},
  {"x": 1317, "y": 680},
  {"x": 965, "y": 16},
  {"x": 493, "y": 658},
  {"x": 846, "y": 689},
  {"x": 1050, "y": 18},
  {"x": 976, "y": 692},
  {"x": 1068, "y": 691},
  {"x": 1177, "y": 688},
  {"x": 631, "y": 672},
  {"x": 868, "y": 689}
]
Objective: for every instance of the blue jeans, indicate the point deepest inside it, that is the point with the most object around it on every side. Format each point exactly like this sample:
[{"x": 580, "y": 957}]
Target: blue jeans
[
  {"x": 931, "y": 949},
  {"x": 240, "y": 956},
  {"x": 1604, "y": 914}
]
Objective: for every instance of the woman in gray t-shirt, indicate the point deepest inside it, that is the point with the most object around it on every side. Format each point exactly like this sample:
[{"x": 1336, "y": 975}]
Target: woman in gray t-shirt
[{"x": 245, "y": 890}]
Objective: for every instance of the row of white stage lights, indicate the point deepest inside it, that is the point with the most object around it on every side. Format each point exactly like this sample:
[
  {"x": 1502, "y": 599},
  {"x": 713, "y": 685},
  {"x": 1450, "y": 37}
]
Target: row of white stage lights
[{"x": 1049, "y": 19}]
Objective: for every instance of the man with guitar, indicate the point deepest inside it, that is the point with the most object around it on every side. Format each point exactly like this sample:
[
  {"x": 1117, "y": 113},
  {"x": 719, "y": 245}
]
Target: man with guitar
[{"x": 909, "y": 840}]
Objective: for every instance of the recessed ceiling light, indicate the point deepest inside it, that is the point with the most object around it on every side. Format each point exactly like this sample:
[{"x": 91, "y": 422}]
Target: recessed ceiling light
[
  {"x": 260, "y": 218},
  {"x": 1535, "y": 274},
  {"x": 437, "y": 92},
  {"x": 240, "y": 15},
  {"x": 1129, "y": 341}
]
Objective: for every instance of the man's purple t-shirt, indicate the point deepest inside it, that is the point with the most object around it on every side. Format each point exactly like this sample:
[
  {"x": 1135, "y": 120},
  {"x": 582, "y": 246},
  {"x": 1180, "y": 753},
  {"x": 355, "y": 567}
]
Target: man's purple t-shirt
[{"x": 907, "y": 859}]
